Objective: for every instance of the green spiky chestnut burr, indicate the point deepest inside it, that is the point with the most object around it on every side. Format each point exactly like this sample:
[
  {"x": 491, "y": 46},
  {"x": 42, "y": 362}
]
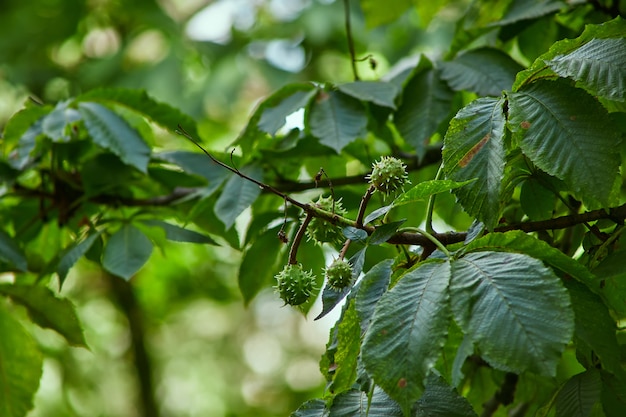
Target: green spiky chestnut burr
[
  {"x": 294, "y": 284},
  {"x": 388, "y": 175},
  {"x": 339, "y": 274},
  {"x": 321, "y": 231}
]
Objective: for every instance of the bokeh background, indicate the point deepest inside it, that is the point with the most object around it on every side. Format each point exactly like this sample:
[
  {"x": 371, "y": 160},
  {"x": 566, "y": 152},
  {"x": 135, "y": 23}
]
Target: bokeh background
[{"x": 210, "y": 355}]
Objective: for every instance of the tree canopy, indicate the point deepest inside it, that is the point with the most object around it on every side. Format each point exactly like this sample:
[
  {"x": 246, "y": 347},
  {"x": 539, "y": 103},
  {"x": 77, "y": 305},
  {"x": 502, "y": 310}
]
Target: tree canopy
[{"x": 444, "y": 179}]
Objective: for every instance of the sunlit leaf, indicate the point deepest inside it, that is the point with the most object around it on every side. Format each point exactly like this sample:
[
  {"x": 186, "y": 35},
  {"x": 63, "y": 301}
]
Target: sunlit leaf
[
  {"x": 55, "y": 123},
  {"x": 112, "y": 132},
  {"x": 126, "y": 251},
  {"x": 73, "y": 253},
  {"x": 337, "y": 119},
  {"x": 179, "y": 234},
  {"x": 20, "y": 367},
  {"x": 474, "y": 148},
  {"x": 425, "y": 189},
  {"x": 515, "y": 310},
  {"x": 273, "y": 118},
  {"x": 568, "y": 134},
  {"x": 47, "y": 310},
  {"x": 407, "y": 332},
  {"x": 348, "y": 348}
]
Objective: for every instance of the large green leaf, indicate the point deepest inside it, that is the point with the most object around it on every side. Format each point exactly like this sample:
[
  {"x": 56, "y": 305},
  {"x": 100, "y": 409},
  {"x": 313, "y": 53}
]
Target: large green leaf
[
  {"x": 179, "y": 234},
  {"x": 20, "y": 367},
  {"x": 348, "y": 348},
  {"x": 126, "y": 252},
  {"x": 425, "y": 189},
  {"x": 47, "y": 310},
  {"x": 22, "y": 155},
  {"x": 514, "y": 309},
  {"x": 73, "y": 253},
  {"x": 568, "y": 134},
  {"x": 337, "y": 119},
  {"x": 541, "y": 70},
  {"x": 311, "y": 408},
  {"x": 426, "y": 103},
  {"x": 378, "y": 92},
  {"x": 273, "y": 118},
  {"x": 611, "y": 282},
  {"x": 599, "y": 65},
  {"x": 408, "y": 331},
  {"x": 355, "y": 403},
  {"x": 529, "y": 9},
  {"x": 112, "y": 132},
  {"x": 613, "y": 395},
  {"x": 442, "y": 400},
  {"x": 579, "y": 395},
  {"x": 485, "y": 71},
  {"x": 237, "y": 195},
  {"x": 11, "y": 253},
  {"x": 258, "y": 265},
  {"x": 164, "y": 115},
  {"x": 55, "y": 124},
  {"x": 595, "y": 327},
  {"x": 198, "y": 164},
  {"x": 474, "y": 148}
]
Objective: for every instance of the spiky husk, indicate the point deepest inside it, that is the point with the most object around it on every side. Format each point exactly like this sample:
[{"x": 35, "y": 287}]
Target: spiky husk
[
  {"x": 322, "y": 231},
  {"x": 339, "y": 274},
  {"x": 388, "y": 175},
  {"x": 295, "y": 285}
]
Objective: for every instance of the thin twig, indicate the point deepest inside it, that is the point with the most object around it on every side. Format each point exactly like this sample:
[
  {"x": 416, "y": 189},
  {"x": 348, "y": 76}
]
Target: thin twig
[
  {"x": 346, "y": 6},
  {"x": 293, "y": 252}
]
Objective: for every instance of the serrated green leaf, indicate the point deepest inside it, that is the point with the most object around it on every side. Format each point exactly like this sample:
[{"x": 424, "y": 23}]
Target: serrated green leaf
[
  {"x": 126, "y": 251},
  {"x": 238, "y": 194},
  {"x": 568, "y": 134},
  {"x": 379, "y": 13},
  {"x": 528, "y": 9},
  {"x": 11, "y": 253},
  {"x": 579, "y": 395},
  {"x": 384, "y": 232},
  {"x": 442, "y": 400},
  {"x": 258, "y": 265},
  {"x": 485, "y": 71},
  {"x": 337, "y": 119},
  {"x": 377, "y": 92},
  {"x": 355, "y": 403},
  {"x": 273, "y": 118},
  {"x": 112, "y": 132},
  {"x": 515, "y": 310},
  {"x": 595, "y": 327},
  {"x": 311, "y": 408},
  {"x": 474, "y": 148},
  {"x": 139, "y": 101},
  {"x": 407, "y": 332},
  {"x": 73, "y": 253},
  {"x": 55, "y": 123},
  {"x": 47, "y": 310},
  {"x": 179, "y": 234},
  {"x": 20, "y": 367},
  {"x": 599, "y": 65},
  {"x": 540, "y": 70},
  {"x": 348, "y": 347},
  {"x": 373, "y": 285},
  {"x": 426, "y": 103},
  {"x": 425, "y": 189}
]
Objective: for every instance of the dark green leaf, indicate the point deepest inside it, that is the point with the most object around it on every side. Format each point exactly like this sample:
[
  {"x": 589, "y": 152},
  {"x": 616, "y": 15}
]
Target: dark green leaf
[
  {"x": 513, "y": 308},
  {"x": 529, "y": 9},
  {"x": 568, "y": 134},
  {"x": 579, "y": 395},
  {"x": 10, "y": 252},
  {"x": 599, "y": 65},
  {"x": 377, "y": 92},
  {"x": 355, "y": 403},
  {"x": 485, "y": 71},
  {"x": 20, "y": 367},
  {"x": 126, "y": 252},
  {"x": 426, "y": 103},
  {"x": 441, "y": 400},
  {"x": 273, "y": 118},
  {"x": 474, "y": 148},
  {"x": 354, "y": 234},
  {"x": 258, "y": 265},
  {"x": 595, "y": 327},
  {"x": 612, "y": 277},
  {"x": 384, "y": 232},
  {"x": 112, "y": 132},
  {"x": 198, "y": 164},
  {"x": 348, "y": 347},
  {"x": 238, "y": 194},
  {"x": 337, "y": 119},
  {"x": 164, "y": 115},
  {"x": 311, "y": 408},
  {"x": 73, "y": 253},
  {"x": 373, "y": 285},
  {"x": 179, "y": 234},
  {"x": 47, "y": 310},
  {"x": 407, "y": 332},
  {"x": 613, "y": 395},
  {"x": 536, "y": 200},
  {"x": 425, "y": 189}
]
